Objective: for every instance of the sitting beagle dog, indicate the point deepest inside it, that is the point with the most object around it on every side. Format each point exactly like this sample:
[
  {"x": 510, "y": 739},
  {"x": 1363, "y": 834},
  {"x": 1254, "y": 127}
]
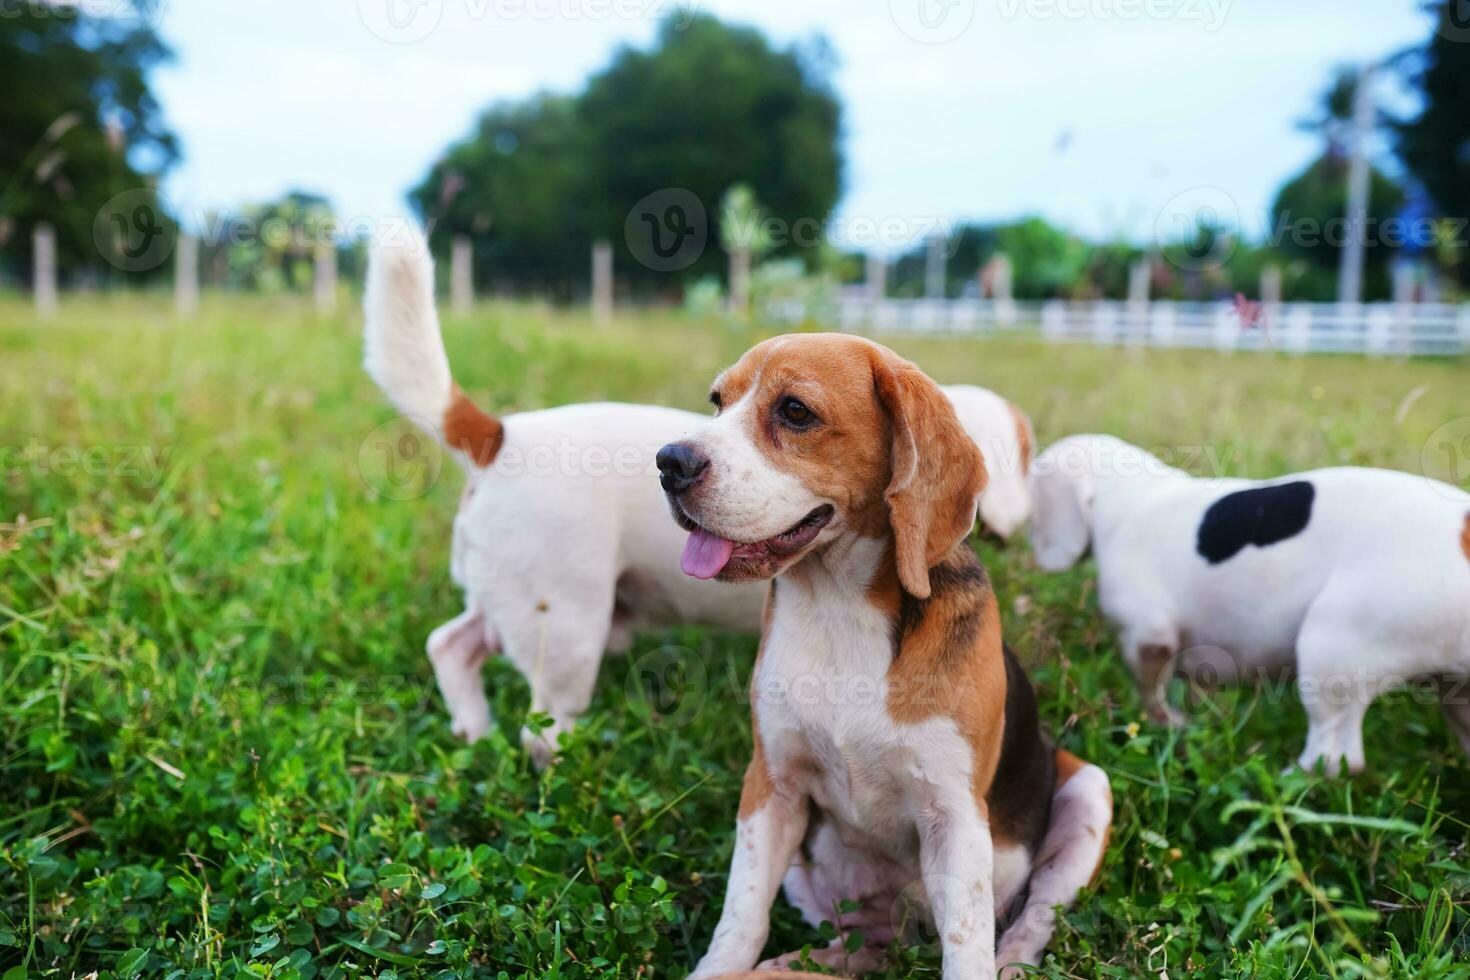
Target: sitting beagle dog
[
  {"x": 1356, "y": 579},
  {"x": 562, "y": 545},
  {"x": 898, "y": 753}
]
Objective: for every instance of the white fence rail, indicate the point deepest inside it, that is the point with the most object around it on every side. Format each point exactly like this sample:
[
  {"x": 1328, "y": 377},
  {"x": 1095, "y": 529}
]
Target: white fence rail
[{"x": 1419, "y": 329}]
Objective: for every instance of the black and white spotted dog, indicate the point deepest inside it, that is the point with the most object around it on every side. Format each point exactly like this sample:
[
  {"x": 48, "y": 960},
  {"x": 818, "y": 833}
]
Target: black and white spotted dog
[{"x": 1357, "y": 578}]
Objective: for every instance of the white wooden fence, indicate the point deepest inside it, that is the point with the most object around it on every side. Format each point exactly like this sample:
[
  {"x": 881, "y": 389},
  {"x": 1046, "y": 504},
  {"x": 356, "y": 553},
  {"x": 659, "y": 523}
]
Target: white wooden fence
[{"x": 1417, "y": 329}]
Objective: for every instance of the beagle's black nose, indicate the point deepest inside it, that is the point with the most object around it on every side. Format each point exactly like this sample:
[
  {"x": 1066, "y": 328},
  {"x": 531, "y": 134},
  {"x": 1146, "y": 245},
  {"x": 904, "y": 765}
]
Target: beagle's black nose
[{"x": 680, "y": 466}]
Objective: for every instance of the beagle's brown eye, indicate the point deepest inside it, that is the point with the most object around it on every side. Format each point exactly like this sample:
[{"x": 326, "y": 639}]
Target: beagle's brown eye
[
  {"x": 795, "y": 413},
  {"x": 714, "y": 399}
]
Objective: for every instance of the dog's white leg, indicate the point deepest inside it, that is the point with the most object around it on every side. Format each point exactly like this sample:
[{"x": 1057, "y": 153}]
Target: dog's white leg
[
  {"x": 1337, "y": 678},
  {"x": 956, "y": 857},
  {"x": 457, "y": 649},
  {"x": 1070, "y": 855},
  {"x": 562, "y": 679},
  {"x": 766, "y": 838},
  {"x": 1149, "y": 647}
]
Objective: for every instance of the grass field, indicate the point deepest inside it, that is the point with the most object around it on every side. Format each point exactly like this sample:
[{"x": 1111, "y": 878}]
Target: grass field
[{"x": 221, "y": 751}]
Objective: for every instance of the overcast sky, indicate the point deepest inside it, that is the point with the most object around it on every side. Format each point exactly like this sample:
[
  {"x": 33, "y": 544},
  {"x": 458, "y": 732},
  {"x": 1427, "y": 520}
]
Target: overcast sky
[{"x": 1094, "y": 113}]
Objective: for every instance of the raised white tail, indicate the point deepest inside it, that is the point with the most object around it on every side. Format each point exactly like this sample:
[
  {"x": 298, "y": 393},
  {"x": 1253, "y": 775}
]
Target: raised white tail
[{"x": 404, "y": 351}]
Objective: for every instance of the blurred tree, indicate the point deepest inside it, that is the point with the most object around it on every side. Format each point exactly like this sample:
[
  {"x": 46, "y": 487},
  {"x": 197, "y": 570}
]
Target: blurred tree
[
  {"x": 1047, "y": 261},
  {"x": 1435, "y": 144},
  {"x": 271, "y": 247},
  {"x": 78, "y": 123},
  {"x": 1309, "y": 222},
  {"x": 519, "y": 187},
  {"x": 709, "y": 106}
]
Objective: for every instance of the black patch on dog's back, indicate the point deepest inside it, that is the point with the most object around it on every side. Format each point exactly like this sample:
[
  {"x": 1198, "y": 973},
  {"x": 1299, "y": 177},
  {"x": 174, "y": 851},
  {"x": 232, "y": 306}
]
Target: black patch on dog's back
[{"x": 1260, "y": 517}]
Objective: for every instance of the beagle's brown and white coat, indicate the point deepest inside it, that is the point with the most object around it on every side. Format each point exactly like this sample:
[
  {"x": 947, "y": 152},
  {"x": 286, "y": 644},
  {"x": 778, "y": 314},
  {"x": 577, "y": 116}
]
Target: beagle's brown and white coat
[{"x": 897, "y": 754}]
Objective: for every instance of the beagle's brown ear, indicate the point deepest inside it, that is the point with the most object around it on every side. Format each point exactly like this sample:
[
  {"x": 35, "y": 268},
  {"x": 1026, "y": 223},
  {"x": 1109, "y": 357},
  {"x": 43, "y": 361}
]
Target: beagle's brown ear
[{"x": 938, "y": 472}]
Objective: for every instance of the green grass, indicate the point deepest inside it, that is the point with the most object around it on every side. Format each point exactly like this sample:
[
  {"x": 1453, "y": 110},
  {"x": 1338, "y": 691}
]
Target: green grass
[{"x": 221, "y": 751}]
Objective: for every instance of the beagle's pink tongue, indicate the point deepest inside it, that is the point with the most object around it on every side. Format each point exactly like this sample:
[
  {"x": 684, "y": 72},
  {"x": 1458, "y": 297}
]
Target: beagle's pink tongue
[{"x": 705, "y": 554}]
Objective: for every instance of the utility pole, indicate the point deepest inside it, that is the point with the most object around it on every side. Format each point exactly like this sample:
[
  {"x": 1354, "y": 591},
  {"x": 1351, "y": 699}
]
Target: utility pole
[{"x": 1350, "y": 273}]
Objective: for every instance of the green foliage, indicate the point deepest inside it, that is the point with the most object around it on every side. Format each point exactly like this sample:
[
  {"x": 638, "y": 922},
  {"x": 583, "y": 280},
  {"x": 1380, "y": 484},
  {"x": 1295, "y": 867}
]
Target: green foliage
[
  {"x": 270, "y": 247},
  {"x": 1432, "y": 144},
  {"x": 222, "y": 753},
  {"x": 707, "y": 107},
  {"x": 1308, "y": 222},
  {"x": 78, "y": 124},
  {"x": 520, "y": 188}
]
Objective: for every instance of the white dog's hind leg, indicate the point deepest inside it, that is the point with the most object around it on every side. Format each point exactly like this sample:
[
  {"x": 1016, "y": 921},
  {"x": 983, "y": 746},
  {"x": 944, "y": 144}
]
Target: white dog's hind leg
[
  {"x": 1071, "y": 855},
  {"x": 457, "y": 649},
  {"x": 1150, "y": 648},
  {"x": 1337, "y": 678},
  {"x": 557, "y": 643}
]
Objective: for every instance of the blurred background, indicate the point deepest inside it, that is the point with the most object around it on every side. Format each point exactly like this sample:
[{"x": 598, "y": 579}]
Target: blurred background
[{"x": 800, "y": 161}]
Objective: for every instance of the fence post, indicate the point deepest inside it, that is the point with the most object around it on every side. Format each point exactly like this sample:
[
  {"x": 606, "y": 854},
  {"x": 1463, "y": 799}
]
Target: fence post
[
  {"x": 1379, "y": 332},
  {"x": 1053, "y": 320},
  {"x": 1104, "y": 322},
  {"x": 461, "y": 275},
  {"x": 1299, "y": 328},
  {"x": 324, "y": 269},
  {"x": 1136, "y": 319},
  {"x": 43, "y": 245},
  {"x": 1271, "y": 295},
  {"x": 1227, "y": 328},
  {"x": 602, "y": 282},
  {"x": 934, "y": 268},
  {"x": 186, "y": 276},
  {"x": 1162, "y": 323},
  {"x": 877, "y": 278},
  {"x": 1002, "y": 287},
  {"x": 1464, "y": 319},
  {"x": 739, "y": 280}
]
